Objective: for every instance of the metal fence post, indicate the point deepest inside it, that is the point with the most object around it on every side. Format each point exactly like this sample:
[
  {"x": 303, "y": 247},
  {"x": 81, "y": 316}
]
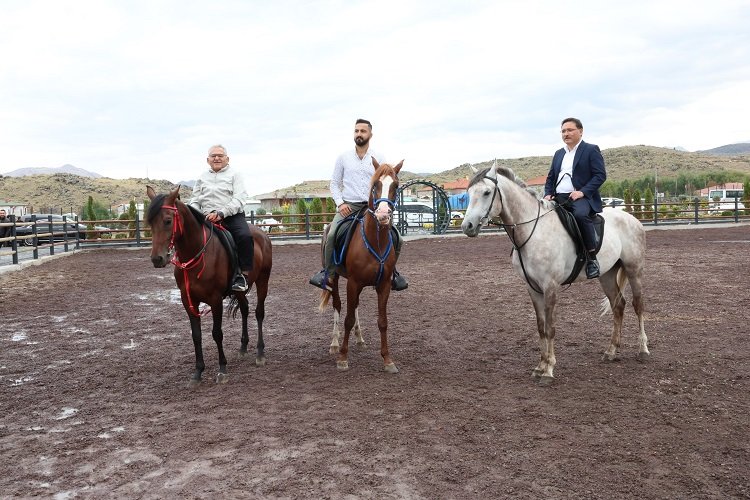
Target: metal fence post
[
  {"x": 307, "y": 223},
  {"x": 14, "y": 243},
  {"x": 656, "y": 211},
  {"x": 695, "y": 211},
  {"x": 137, "y": 229}
]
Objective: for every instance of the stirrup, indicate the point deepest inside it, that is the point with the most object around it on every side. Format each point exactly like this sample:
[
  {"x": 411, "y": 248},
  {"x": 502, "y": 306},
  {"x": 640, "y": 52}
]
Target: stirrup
[
  {"x": 321, "y": 281},
  {"x": 398, "y": 282},
  {"x": 239, "y": 284}
]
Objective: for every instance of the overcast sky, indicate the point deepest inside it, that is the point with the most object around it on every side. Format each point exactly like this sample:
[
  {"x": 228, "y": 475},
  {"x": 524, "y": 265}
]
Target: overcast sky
[{"x": 143, "y": 88}]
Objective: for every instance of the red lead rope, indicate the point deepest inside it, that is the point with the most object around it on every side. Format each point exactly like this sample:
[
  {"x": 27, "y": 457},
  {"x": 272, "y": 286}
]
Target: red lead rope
[{"x": 177, "y": 229}]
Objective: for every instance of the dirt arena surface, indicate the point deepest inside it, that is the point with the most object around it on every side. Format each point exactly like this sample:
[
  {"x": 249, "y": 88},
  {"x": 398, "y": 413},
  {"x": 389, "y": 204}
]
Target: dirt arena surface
[{"x": 95, "y": 357}]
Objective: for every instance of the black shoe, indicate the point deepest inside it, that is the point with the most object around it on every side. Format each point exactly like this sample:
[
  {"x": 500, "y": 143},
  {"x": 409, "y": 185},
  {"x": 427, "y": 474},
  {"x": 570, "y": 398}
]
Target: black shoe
[
  {"x": 321, "y": 281},
  {"x": 398, "y": 282},
  {"x": 239, "y": 284},
  {"x": 592, "y": 269}
]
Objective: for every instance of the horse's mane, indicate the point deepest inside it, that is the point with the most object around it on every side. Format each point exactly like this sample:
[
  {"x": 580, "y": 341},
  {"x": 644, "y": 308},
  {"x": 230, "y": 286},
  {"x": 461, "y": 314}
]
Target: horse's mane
[
  {"x": 155, "y": 207},
  {"x": 158, "y": 202},
  {"x": 506, "y": 172},
  {"x": 384, "y": 169}
]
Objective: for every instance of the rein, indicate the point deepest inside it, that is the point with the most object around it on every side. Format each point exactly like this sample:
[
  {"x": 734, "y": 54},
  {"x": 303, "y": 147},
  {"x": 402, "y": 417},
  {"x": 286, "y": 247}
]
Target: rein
[
  {"x": 178, "y": 230},
  {"x": 512, "y": 233},
  {"x": 380, "y": 258}
]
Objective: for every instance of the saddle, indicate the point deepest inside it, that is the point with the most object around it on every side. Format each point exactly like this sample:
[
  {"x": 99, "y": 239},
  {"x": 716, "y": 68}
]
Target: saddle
[
  {"x": 343, "y": 236},
  {"x": 226, "y": 238},
  {"x": 569, "y": 223}
]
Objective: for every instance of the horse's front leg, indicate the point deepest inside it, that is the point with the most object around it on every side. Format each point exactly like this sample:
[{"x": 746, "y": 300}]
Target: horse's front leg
[
  {"x": 353, "y": 290},
  {"x": 200, "y": 365},
  {"x": 218, "y": 335},
  {"x": 384, "y": 291},
  {"x": 358, "y": 330},
  {"x": 544, "y": 306},
  {"x": 244, "y": 311}
]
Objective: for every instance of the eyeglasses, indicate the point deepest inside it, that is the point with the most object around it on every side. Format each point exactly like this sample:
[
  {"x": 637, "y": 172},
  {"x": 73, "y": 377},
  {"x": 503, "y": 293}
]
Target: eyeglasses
[
  {"x": 217, "y": 156},
  {"x": 568, "y": 130}
]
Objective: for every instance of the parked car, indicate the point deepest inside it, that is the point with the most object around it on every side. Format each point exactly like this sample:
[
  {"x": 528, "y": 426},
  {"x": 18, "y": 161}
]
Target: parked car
[
  {"x": 616, "y": 203},
  {"x": 58, "y": 228},
  {"x": 415, "y": 214},
  {"x": 270, "y": 225}
]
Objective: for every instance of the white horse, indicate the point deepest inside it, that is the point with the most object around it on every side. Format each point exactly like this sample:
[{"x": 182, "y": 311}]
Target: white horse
[{"x": 544, "y": 254}]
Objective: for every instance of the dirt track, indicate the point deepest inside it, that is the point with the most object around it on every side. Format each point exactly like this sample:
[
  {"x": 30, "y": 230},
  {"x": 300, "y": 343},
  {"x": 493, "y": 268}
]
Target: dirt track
[{"x": 95, "y": 357}]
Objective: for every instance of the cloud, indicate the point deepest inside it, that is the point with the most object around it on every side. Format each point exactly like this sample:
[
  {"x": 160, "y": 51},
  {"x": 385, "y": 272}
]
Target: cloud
[{"x": 143, "y": 88}]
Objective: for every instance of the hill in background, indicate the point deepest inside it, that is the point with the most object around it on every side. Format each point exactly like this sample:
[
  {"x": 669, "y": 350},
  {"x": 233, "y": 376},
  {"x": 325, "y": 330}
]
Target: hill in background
[
  {"x": 71, "y": 191},
  {"x": 65, "y": 169}
]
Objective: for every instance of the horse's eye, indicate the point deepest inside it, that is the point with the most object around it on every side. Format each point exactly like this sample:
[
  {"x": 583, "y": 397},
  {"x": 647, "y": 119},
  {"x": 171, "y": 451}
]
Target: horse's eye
[{"x": 487, "y": 192}]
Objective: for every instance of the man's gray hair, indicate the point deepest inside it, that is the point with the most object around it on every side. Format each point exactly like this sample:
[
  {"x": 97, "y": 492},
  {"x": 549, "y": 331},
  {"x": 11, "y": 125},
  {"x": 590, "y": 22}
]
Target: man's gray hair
[{"x": 218, "y": 146}]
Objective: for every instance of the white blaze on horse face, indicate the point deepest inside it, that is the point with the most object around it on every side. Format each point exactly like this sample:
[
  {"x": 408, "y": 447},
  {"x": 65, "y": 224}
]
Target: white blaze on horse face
[{"x": 383, "y": 210}]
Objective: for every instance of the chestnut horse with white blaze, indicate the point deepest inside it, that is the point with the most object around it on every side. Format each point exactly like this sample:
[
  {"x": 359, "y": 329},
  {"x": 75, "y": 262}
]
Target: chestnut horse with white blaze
[
  {"x": 203, "y": 271},
  {"x": 544, "y": 254},
  {"x": 370, "y": 261}
]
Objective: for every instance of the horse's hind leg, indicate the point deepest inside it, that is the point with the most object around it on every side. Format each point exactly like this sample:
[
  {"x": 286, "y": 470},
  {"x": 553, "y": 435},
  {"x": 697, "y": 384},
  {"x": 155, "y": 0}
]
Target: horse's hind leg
[
  {"x": 612, "y": 282},
  {"x": 218, "y": 336},
  {"x": 244, "y": 311},
  {"x": 261, "y": 288},
  {"x": 336, "y": 334},
  {"x": 637, "y": 289}
]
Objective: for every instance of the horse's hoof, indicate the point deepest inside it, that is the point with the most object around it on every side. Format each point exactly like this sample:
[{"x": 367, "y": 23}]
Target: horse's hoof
[
  {"x": 194, "y": 383},
  {"x": 242, "y": 354},
  {"x": 333, "y": 350},
  {"x": 535, "y": 374},
  {"x": 361, "y": 344},
  {"x": 546, "y": 380},
  {"x": 260, "y": 361},
  {"x": 222, "y": 378},
  {"x": 610, "y": 358},
  {"x": 342, "y": 365},
  {"x": 643, "y": 357},
  {"x": 390, "y": 368}
]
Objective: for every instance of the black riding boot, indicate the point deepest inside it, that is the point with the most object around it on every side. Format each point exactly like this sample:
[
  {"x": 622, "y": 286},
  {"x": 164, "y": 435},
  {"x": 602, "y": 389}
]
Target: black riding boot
[{"x": 592, "y": 266}]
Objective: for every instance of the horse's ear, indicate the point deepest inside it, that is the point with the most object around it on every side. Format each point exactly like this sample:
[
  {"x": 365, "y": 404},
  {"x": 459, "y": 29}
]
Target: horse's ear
[
  {"x": 398, "y": 166},
  {"x": 375, "y": 163},
  {"x": 473, "y": 169},
  {"x": 175, "y": 193},
  {"x": 150, "y": 192}
]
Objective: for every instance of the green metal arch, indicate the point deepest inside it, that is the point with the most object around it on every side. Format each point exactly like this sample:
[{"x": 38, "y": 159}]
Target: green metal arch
[{"x": 441, "y": 210}]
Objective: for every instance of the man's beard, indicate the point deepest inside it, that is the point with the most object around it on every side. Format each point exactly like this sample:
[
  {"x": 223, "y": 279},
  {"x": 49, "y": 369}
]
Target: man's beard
[{"x": 361, "y": 141}]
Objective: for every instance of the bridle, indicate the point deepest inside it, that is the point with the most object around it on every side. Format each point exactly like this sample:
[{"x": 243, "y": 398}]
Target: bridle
[
  {"x": 199, "y": 258},
  {"x": 512, "y": 232},
  {"x": 381, "y": 258}
]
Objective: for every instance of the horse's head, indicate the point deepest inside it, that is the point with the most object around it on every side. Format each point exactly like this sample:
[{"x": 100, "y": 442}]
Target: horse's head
[
  {"x": 496, "y": 192},
  {"x": 383, "y": 187},
  {"x": 164, "y": 221},
  {"x": 485, "y": 200}
]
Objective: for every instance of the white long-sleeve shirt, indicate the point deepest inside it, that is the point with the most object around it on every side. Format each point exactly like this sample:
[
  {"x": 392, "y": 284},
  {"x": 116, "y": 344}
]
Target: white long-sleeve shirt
[
  {"x": 223, "y": 191},
  {"x": 351, "y": 176}
]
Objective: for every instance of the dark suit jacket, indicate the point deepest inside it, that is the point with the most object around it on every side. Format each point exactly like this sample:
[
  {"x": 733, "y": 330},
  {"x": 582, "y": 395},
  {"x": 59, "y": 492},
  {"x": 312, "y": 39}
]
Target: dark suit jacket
[{"x": 588, "y": 173}]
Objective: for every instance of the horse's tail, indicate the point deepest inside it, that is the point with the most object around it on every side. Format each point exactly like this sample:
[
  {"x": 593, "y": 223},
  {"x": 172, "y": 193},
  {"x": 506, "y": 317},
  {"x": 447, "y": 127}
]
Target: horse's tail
[
  {"x": 233, "y": 307},
  {"x": 622, "y": 279},
  {"x": 325, "y": 297}
]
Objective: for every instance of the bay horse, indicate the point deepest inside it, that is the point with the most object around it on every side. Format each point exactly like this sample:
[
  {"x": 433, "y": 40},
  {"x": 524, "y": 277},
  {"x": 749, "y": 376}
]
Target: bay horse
[
  {"x": 203, "y": 272},
  {"x": 544, "y": 254},
  {"x": 370, "y": 260}
]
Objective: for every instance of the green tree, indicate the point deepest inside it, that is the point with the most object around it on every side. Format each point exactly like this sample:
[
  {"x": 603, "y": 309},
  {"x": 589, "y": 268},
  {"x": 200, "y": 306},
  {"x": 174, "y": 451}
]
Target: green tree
[
  {"x": 316, "y": 209},
  {"x": 648, "y": 202},
  {"x": 628, "y": 198},
  {"x": 637, "y": 207},
  {"x": 300, "y": 208}
]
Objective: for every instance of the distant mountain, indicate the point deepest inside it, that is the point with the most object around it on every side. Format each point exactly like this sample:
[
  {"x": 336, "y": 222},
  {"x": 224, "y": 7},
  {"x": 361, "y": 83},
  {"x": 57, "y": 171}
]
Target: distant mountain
[
  {"x": 190, "y": 184},
  {"x": 65, "y": 169},
  {"x": 741, "y": 148}
]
